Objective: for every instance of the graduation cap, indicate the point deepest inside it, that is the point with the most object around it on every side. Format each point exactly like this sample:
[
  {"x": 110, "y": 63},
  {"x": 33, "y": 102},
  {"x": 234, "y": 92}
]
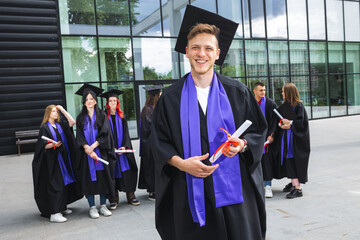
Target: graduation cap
[
  {"x": 112, "y": 93},
  {"x": 194, "y": 15},
  {"x": 286, "y": 111},
  {"x": 153, "y": 90},
  {"x": 87, "y": 88}
]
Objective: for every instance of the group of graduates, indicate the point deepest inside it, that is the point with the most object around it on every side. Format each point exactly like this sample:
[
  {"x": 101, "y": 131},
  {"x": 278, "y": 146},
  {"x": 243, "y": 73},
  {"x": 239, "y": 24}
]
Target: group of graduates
[{"x": 99, "y": 161}]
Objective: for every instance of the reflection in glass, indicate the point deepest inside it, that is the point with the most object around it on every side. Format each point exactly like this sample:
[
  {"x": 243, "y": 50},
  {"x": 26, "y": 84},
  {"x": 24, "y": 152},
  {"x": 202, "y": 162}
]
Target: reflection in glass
[
  {"x": 337, "y": 95},
  {"x": 276, "y": 88},
  {"x": 251, "y": 82},
  {"x": 278, "y": 58},
  {"x": 299, "y": 60},
  {"x": 353, "y": 91},
  {"x": 234, "y": 62},
  {"x": 336, "y": 57},
  {"x": 208, "y": 5},
  {"x": 172, "y": 13},
  {"x": 353, "y": 57},
  {"x": 77, "y": 17},
  {"x": 276, "y": 19},
  {"x": 334, "y": 18},
  {"x": 146, "y": 17},
  {"x": 302, "y": 84},
  {"x": 257, "y": 19},
  {"x": 352, "y": 21},
  {"x": 297, "y": 19},
  {"x": 318, "y": 59},
  {"x": 316, "y": 19},
  {"x": 320, "y": 99},
  {"x": 127, "y": 103},
  {"x": 80, "y": 59},
  {"x": 115, "y": 59},
  {"x": 256, "y": 58},
  {"x": 113, "y": 17},
  {"x": 232, "y": 13},
  {"x": 155, "y": 59},
  {"x": 242, "y": 80},
  {"x": 245, "y": 5}
]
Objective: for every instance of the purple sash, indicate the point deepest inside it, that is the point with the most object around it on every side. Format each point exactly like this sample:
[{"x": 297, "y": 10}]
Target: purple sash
[
  {"x": 122, "y": 163},
  {"x": 226, "y": 178},
  {"x": 91, "y": 134},
  {"x": 289, "y": 151},
  {"x": 68, "y": 177},
  {"x": 262, "y": 107}
]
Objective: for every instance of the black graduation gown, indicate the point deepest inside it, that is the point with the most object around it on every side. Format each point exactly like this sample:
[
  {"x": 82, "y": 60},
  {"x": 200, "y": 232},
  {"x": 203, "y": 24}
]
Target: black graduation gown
[
  {"x": 147, "y": 164},
  {"x": 267, "y": 159},
  {"x": 301, "y": 146},
  {"x": 51, "y": 195},
  {"x": 128, "y": 181},
  {"x": 172, "y": 213},
  {"x": 105, "y": 183}
]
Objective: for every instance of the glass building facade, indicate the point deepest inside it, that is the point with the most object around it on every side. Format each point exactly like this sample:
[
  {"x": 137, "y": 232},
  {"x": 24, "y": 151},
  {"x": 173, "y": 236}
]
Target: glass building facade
[{"x": 128, "y": 44}]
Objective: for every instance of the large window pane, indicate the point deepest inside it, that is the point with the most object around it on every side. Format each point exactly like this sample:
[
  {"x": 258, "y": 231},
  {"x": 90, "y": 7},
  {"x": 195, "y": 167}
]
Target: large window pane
[
  {"x": 257, "y": 19},
  {"x": 352, "y": 21},
  {"x": 297, "y": 19},
  {"x": 353, "y": 57},
  {"x": 336, "y": 58},
  {"x": 302, "y": 84},
  {"x": 299, "y": 60},
  {"x": 276, "y": 88},
  {"x": 334, "y": 18},
  {"x": 80, "y": 59},
  {"x": 276, "y": 19},
  {"x": 256, "y": 58},
  {"x": 316, "y": 19},
  {"x": 353, "y": 91},
  {"x": 318, "y": 59},
  {"x": 246, "y": 11},
  {"x": 232, "y": 13},
  {"x": 320, "y": 100},
  {"x": 234, "y": 62},
  {"x": 208, "y": 5},
  {"x": 115, "y": 59},
  {"x": 77, "y": 17},
  {"x": 113, "y": 17},
  {"x": 337, "y": 95},
  {"x": 278, "y": 58},
  {"x": 173, "y": 12},
  {"x": 153, "y": 63},
  {"x": 127, "y": 103},
  {"x": 146, "y": 17}
]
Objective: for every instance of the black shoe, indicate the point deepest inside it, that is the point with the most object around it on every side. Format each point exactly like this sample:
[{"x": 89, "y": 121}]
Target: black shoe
[
  {"x": 288, "y": 188},
  {"x": 112, "y": 206},
  {"x": 151, "y": 196},
  {"x": 132, "y": 199},
  {"x": 294, "y": 194}
]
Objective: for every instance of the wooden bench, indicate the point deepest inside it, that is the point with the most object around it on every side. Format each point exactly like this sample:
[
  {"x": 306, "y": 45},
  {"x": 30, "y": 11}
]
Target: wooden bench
[{"x": 29, "y": 135}]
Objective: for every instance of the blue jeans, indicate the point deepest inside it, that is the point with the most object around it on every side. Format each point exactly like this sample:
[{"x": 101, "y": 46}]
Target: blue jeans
[
  {"x": 267, "y": 183},
  {"x": 91, "y": 199}
]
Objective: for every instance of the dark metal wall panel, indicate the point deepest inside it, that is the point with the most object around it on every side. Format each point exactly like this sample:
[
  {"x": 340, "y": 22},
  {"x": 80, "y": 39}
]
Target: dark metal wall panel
[{"x": 31, "y": 74}]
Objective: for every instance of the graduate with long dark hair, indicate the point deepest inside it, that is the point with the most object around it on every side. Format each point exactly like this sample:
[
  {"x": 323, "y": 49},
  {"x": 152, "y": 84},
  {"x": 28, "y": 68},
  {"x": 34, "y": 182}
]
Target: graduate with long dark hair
[
  {"x": 55, "y": 166},
  {"x": 95, "y": 140},
  {"x": 125, "y": 169}
]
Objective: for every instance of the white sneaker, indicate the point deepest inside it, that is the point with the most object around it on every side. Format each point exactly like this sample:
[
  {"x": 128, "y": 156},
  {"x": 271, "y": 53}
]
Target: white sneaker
[
  {"x": 67, "y": 211},
  {"x": 94, "y": 212},
  {"x": 268, "y": 192},
  {"x": 104, "y": 211},
  {"x": 57, "y": 217}
]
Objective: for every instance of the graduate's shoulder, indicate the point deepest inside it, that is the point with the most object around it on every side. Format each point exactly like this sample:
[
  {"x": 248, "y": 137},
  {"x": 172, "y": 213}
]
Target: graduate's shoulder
[
  {"x": 174, "y": 88},
  {"x": 270, "y": 101}
]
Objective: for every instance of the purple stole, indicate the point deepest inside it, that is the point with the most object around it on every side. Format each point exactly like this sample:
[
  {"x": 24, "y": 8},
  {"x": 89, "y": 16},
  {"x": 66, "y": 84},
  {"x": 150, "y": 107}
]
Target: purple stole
[
  {"x": 290, "y": 150},
  {"x": 68, "y": 177},
  {"x": 122, "y": 163},
  {"x": 91, "y": 134},
  {"x": 226, "y": 178},
  {"x": 262, "y": 107}
]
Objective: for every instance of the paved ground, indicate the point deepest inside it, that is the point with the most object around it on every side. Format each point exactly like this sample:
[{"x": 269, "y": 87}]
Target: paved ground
[{"x": 330, "y": 208}]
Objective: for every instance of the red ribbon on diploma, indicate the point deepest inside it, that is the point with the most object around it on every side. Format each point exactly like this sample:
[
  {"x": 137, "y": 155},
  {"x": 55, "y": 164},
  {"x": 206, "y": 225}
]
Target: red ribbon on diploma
[
  {"x": 226, "y": 144},
  {"x": 266, "y": 146},
  {"x": 51, "y": 143}
]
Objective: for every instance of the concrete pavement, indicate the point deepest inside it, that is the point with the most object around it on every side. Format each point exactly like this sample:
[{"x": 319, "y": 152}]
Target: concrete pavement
[{"x": 330, "y": 208}]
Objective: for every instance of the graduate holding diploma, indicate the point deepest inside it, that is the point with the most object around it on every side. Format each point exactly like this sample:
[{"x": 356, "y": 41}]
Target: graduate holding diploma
[
  {"x": 55, "y": 165},
  {"x": 194, "y": 198}
]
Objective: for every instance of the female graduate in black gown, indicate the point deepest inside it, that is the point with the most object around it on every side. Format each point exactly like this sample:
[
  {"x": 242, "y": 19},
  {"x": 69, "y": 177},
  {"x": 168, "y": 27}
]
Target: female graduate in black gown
[
  {"x": 95, "y": 141},
  {"x": 125, "y": 169},
  {"x": 293, "y": 141},
  {"x": 147, "y": 170},
  {"x": 55, "y": 166}
]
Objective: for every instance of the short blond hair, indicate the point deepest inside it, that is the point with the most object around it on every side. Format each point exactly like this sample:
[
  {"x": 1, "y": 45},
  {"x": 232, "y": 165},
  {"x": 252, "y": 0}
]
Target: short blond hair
[{"x": 204, "y": 28}]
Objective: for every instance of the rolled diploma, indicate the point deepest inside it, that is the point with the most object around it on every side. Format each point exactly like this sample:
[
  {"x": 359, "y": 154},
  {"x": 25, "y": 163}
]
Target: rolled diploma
[
  {"x": 267, "y": 142},
  {"x": 277, "y": 113},
  {"x": 103, "y": 161},
  {"x": 236, "y": 134},
  {"x": 124, "y": 151},
  {"x": 49, "y": 139}
]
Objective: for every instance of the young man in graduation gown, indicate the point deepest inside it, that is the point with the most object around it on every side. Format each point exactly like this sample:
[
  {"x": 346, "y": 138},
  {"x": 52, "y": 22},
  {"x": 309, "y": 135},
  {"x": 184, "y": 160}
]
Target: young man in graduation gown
[
  {"x": 196, "y": 199},
  {"x": 266, "y": 105}
]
